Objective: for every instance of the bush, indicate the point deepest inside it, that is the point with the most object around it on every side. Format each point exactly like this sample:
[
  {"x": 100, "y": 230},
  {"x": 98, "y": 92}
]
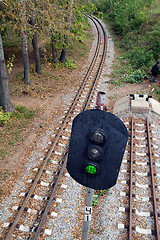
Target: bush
[
  {"x": 103, "y": 5},
  {"x": 137, "y": 22},
  {"x": 135, "y": 77},
  {"x": 140, "y": 57},
  {"x": 4, "y": 117},
  {"x": 153, "y": 38},
  {"x": 70, "y": 64}
]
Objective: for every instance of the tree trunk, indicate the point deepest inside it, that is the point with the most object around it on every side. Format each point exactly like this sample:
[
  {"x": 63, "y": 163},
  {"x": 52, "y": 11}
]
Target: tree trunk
[
  {"x": 5, "y": 101},
  {"x": 35, "y": 47},
  {"x": 54, "y": 50},
  {"x": 36, "y": 54},
  {"x": 25, "y": 59},
  {"x": 64, "y": 52},
  {"x": 65, "y": 49}
]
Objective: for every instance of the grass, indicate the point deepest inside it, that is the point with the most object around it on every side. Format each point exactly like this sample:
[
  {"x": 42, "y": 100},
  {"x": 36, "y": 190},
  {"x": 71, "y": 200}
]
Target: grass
[{"x": 12, "y": 133}]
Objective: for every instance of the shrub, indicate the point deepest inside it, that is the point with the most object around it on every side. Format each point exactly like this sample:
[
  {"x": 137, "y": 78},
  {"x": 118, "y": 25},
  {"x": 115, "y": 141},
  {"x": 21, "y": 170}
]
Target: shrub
[
  {"x": 4, "y": 117},
  {"x": 153, "y": 38},
  {"x": 135, "y": 77},
  {"x": 140, "y": 57},
  {"x": 70, "y": 64}
]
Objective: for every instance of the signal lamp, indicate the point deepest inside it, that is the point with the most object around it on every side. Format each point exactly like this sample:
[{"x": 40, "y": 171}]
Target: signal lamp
[
  {"x": 97, "y": 144},
  {"x": 98, "y": 137},
  {"x": 92, "y": 168},
  {"x": 94, "y": 153}
]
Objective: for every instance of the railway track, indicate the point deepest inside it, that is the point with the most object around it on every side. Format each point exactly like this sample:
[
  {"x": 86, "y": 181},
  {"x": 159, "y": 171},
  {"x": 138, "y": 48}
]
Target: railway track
[
  {"x": 33, "y": 207},
  {"x": 140, "y": 209}
]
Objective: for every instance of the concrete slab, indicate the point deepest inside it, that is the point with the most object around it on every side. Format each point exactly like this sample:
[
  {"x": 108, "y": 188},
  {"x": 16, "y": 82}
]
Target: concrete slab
[
  {"x": 122, "y": 104},
  {"x": 123, "y": 100},
  {"x": 139, "y": 106},
  {"x": 121, "y": 107},
  {"x": 155, "y": 105}
]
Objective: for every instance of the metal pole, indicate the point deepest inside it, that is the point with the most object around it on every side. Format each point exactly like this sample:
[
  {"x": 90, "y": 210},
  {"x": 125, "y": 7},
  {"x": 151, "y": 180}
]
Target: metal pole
[{"x": 87, "y": 213}]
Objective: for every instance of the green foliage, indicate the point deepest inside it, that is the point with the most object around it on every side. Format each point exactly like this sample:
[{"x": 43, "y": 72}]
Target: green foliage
[
  {"x": 103, "y": 5},
  {"x": 23, "y": 112},
  {"x": 11, "y": 38},
  {"x": 158, "y": 90},
  {"x": 96, "y": 196},
  {"x": 3, "y": 153},
  {"x": 10, "y": 63},
  {"x": 140, "y": 56},
  {"x": 4, "y": 117},
  {"x": 153, "y": 38},
  {"x": 126, "y": 15},
  {"x": 135, "y": 77},
  {"x": 70, "y": 64},
  {"x": 95, "y": 200},
  {"x": 138, "y": 24}
]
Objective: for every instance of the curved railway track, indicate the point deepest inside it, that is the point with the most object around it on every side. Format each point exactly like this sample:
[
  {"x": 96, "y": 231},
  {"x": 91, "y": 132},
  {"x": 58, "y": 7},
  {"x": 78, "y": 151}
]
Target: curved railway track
[
  {"x": 142, "y": 182},
  {"x": 35, "y": 203}
]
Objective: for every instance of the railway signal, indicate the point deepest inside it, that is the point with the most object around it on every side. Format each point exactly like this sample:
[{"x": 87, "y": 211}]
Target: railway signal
[{"x": 97, "y": 144}]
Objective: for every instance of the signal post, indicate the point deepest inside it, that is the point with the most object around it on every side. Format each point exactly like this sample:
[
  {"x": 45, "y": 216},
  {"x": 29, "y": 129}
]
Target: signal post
[{"x": 97, "y": 144}]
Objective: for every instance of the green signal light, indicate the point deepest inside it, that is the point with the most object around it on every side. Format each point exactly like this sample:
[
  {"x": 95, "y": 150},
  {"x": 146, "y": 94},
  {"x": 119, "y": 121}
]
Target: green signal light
[{"x": 91, "y": 169}]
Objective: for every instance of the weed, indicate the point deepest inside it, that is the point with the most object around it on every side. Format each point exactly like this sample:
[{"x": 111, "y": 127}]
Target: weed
[
  {"x": 118, "y": 82},
  {"x": 4, "y": 117},
  {"x": 30, "y": 114},
  {"x": 12, "y": 143},
  {"x": 3, "y": 153},
  {"x": 21, "y": 109},
  {"x": 50, "y": 160},
  {"x": 96, "y": 196},
  {"x": 94, "y": 231},
  {"x": 70, "y": 64},
  {"x": 158, "y": 90},
  {"x": 95, "y": 200},
  {"x": 102, "y": 192}
]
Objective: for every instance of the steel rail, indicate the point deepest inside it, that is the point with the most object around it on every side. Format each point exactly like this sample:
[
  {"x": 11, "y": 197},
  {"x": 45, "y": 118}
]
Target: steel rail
[
  {"x": 54, "y": 144},
  {"x": 153, "y": 183},
  {"x": 101, "y": 63},
  {"x": 37, "y": 234},
  {"x": 131, "y": 183},
  {"x": 50, "y": 200}
]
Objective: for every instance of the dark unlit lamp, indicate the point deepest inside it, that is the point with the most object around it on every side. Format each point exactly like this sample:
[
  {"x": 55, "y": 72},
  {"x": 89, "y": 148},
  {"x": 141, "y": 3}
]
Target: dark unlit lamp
[{"x": 98, "y": 137}]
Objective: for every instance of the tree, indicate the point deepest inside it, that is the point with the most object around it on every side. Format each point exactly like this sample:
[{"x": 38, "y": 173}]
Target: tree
[
  {"x": 23, "y": 21},
  {"x": 25, "y": 58},
  {"x": 5, "y": 101},
  {"x": 14, "y": 14},
  {"x": 35, "y": 46},
  {"x": 64, "y": 52},
  {"x": 54, "y": 50}
]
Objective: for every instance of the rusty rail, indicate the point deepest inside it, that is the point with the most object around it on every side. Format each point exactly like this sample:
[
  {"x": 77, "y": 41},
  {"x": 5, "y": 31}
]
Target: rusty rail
[
  {"x": 153, "y": 183},
  {"x": 131, "y": 183}
]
